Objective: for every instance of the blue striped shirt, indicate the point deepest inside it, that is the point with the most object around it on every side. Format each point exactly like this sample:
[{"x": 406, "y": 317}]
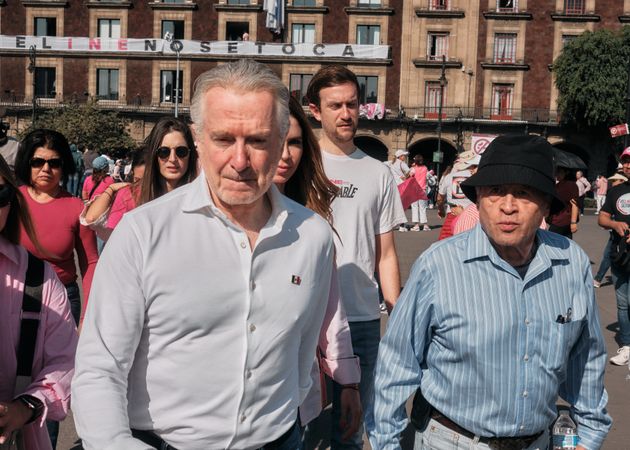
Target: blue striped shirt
[{"x": 486, "y": 347}]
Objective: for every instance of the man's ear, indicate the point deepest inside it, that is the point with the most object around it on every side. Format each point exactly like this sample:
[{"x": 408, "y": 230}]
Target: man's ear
[{"x": 315, "y": 111}]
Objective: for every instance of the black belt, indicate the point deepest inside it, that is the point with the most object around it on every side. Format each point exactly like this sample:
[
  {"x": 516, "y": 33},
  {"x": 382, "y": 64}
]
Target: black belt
[
  {"x": 152, "y": 439},
  {"x": 495, "y": 443}
]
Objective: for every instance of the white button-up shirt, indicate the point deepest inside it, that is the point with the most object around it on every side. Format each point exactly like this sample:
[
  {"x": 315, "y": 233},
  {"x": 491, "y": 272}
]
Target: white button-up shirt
[{"x": 191, "y": 333}]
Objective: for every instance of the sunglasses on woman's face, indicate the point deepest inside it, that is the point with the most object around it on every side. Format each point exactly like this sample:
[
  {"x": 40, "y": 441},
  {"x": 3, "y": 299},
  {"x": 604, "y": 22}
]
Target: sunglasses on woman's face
[
  {"x": 6, "y": 194},
  {"x": 164, "y": 152},
  {"x": 53, "y": 163}
]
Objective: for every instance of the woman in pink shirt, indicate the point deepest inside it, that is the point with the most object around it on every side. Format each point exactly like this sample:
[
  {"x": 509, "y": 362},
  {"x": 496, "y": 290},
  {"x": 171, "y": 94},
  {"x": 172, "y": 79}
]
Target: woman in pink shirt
[
  {"x": 44, "y": 161},
  {"x": 170, "y": 161},
  {"x": 47, "y": 395},
  {"x": 300, "y": 176}
]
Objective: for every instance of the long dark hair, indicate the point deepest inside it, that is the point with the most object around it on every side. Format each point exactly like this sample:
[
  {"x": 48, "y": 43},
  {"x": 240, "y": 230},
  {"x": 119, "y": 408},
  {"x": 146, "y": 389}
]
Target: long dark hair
[
  {"x": 49, "y": 139},
  {"x": 153, "y": 184},
  {"x": 309, "y": 185},
  {"x": 18, "y": 212}
]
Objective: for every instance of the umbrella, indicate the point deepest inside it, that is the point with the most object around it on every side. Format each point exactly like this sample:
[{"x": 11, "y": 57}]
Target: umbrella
[{"x": 567, "y": 160}]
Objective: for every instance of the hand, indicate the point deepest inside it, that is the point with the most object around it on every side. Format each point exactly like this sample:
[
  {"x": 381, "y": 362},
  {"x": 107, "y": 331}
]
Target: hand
[
  {"x": 351, "y": 412},
  {"x": 573, "y": 228},
  {"x": 620, "y": 227},
  {"x": 13, "y": 416},
  {"x": 118, "y": 186},
  {"x": 456, "y": 210}
]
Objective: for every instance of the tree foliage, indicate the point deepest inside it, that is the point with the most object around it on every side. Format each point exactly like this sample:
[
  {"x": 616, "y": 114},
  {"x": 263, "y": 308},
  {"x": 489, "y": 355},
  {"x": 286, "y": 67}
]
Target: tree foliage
[
  {"x": 592, "y": 76},
  {"x": 86, "y": 124}
]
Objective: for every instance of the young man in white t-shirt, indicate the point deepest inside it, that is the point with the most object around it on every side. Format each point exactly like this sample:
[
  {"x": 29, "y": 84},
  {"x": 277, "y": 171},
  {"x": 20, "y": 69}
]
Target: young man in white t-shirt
[{"x": 366, "y": 211}]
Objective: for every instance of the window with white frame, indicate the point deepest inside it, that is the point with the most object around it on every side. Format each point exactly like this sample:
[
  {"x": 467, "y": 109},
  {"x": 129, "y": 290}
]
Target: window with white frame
[
  {"x": 298, "y": 83},
  {"x": 368, "y": 89},
  {"x": 108, "y": 28},
  {"x": 502, "y": 99},
  {"x": 45, "y": 82},
  {"x": 45, "y": 26},
  {"x": 304, "y": 3},
  {"x": 574, "y": 6},
  {"x": 174, "y": 27},
  {"x": 507, "y": 5},
  {"x": 505, "y": 48},
  {"x": 368, "y": 34},
  {"x": 439, "y": 5},
  {"x": 303, "y": 33},
  {"x": 235, "y": 31},
  {"x": 369, "y": 3},
  {"x": 107, "y": 84},
  {"x": 566, "y": 38},
  {"x": 433, "y": 92},
  {"x": 168, "y": 79},
  {"x": 437, "y": 46}
]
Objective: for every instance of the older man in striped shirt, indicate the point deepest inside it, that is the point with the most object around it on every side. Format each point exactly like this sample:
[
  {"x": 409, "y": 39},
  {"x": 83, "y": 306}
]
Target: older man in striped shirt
[{"x": 495, "y": 323}]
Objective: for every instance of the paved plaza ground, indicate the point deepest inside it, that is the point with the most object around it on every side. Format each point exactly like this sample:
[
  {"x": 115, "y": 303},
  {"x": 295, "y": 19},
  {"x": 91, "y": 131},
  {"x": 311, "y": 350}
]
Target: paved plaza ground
[{"x": 592, "y": 239}]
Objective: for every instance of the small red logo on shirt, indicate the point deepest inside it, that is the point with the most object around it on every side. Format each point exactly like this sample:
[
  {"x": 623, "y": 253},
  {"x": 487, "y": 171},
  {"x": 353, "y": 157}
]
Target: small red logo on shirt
[{"x": 296, "y": 280}]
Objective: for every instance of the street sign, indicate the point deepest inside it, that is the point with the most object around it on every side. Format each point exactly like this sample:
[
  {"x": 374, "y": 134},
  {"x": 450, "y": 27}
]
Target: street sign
[
  {"x": 438, "y": 157},
  {"x": 619, "y": 130}
]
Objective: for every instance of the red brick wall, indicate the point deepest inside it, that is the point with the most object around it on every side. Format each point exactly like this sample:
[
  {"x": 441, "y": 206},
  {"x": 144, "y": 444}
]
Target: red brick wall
[
  {"x": 481, "y": 55},
  {"x": 336, "y": 22},
  {"x": 75, "y": 80},
  {"x": 139, "y": 80},
  {"x": 12, "y": 75},
  {"x": 394, "y": 41}
]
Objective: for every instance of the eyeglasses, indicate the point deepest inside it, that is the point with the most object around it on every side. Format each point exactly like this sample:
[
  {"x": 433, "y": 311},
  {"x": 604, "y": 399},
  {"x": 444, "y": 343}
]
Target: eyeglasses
[
  {"x": 53, "y": 163},
  {"x": 7, "y": 193},
  {"x": 181, "y": 152}
]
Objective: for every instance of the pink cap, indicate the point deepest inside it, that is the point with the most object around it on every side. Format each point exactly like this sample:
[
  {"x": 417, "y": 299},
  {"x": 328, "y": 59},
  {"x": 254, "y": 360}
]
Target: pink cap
[{"x": 626, "y": 152}]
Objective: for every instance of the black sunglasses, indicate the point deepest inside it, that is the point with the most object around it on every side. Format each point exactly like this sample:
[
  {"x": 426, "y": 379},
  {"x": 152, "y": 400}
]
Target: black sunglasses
[
  {"x": 7, "y": 193},
  {"x": 53, "y": 163},
  {"x": 164, "y": 152}
]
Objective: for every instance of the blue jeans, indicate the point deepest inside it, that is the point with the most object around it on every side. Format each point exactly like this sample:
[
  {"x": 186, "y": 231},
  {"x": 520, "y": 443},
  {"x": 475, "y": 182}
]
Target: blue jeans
[
  {"x": 622, "y": 292},
  {"x": 437, "y": 437},
  {"x": 291, "y": 440},
  {"x": 365, "y": 339},
  {"x": 605, "y": 264},
  {"x": 72, "y": 184}
]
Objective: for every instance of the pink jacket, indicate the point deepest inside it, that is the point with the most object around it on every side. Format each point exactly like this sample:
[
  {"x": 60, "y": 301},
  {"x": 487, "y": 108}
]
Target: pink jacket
[
  {"x": 337, "y": 361},
  {"x": 53, "y": 364}
]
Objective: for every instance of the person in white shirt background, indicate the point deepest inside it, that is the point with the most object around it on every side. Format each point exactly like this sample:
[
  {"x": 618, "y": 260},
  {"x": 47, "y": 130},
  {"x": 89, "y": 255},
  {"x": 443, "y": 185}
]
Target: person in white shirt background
[{"x": 207, "y": 305}]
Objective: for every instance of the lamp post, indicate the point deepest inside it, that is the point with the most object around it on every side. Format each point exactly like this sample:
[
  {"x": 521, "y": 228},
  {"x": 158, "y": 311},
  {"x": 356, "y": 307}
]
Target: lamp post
[
  {"x": 177, "y": 47},
  {"x": 625, "y": 138},
  {"x": 439, "y": 126},
  {"x": 32, "y": 56}
]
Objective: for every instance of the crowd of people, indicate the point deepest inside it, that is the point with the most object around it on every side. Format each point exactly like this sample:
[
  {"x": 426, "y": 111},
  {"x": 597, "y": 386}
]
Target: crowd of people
[{"x": 232, "y": 264}]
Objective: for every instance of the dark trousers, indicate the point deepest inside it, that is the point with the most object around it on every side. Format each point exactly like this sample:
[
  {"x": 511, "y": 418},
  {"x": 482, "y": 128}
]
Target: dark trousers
[
  {"x": 564, "y": 230},
  {"x": 605, "y": 264}
]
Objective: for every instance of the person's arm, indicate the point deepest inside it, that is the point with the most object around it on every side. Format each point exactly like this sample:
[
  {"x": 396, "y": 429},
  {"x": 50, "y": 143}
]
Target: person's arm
[
  {"x": 103, "y": 202},
  {"x": 575, "y": 213},
  {"x": 53, "y": 361},
  {"x": 87, "y": 256},
  {"x": 387, "y": 268},
  {"x": 583, "y": 388},
  {"x": 605, "y": 220},
  {"x": 85, "y": 193},
  {"x": 338, "y": 360},
  {"x": 400, "y": 357},
  {"x": 109, "y": 339},
  {"x": 441, "y": 205}
]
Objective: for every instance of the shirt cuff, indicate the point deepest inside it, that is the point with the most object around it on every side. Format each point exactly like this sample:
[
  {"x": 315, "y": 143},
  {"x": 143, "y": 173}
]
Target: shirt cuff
[{"x": 343, "y": 371}]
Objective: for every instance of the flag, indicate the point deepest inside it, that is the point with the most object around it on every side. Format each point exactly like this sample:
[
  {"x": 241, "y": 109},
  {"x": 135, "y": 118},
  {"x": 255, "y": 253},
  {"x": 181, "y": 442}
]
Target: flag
[{"x": 619, "y": 130}]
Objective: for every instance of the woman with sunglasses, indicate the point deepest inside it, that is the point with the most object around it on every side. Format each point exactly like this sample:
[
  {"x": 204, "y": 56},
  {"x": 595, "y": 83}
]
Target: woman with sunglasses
[
  {"x": 43, "y": 163},
  {"x": 170, "y": 161},
  {"x": 47, "y": 395},
  {"x": 105, "y": 211},
  {"x": 300, "y": 176}
]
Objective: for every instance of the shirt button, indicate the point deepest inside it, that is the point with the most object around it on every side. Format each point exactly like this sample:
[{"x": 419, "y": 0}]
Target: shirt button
[
  {"x": 243, "y": 244},
  {"x": 253, "y": 285},
  {"x": 526, "y": 358},
  {"x": 243, "y": 418},
  {"x": 522, "y": 427},
  {"x": 525, "y": 394},
  {"x": 527, "y": 322},
  {"x": 252, "y": 327},
  {"x": 248, "y": 374}
]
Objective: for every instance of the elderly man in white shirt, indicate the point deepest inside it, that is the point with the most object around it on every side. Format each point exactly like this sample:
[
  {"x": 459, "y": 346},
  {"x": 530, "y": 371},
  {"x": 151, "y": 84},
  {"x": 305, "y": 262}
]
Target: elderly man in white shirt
[{"x": 207, "y": 304}]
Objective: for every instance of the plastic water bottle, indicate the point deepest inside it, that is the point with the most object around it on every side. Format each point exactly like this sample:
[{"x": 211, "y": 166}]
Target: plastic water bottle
[{"x": 564, "y": 435}]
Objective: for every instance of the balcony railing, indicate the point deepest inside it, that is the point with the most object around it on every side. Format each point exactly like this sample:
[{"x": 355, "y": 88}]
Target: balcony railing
[{"x": 450, "y": 113}]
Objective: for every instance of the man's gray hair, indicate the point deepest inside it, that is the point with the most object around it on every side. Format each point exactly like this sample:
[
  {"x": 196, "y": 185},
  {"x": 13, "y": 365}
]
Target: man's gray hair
[{"x": 244, "y": 75}]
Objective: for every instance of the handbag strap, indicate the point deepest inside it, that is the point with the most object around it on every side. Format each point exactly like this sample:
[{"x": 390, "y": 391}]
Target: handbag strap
[{"x": 31, "y": 308}]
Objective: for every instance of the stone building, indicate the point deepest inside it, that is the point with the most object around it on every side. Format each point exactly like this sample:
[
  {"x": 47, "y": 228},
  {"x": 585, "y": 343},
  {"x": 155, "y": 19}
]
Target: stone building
[{"x": 485, "y": 65}]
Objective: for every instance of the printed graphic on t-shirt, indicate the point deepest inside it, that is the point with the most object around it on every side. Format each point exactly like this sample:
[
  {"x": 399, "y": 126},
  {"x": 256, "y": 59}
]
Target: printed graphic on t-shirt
[
  {"x": 456, "y": 190},
  {"x": 623, "y": 204},
  {"x": 346, "y": 189}
]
